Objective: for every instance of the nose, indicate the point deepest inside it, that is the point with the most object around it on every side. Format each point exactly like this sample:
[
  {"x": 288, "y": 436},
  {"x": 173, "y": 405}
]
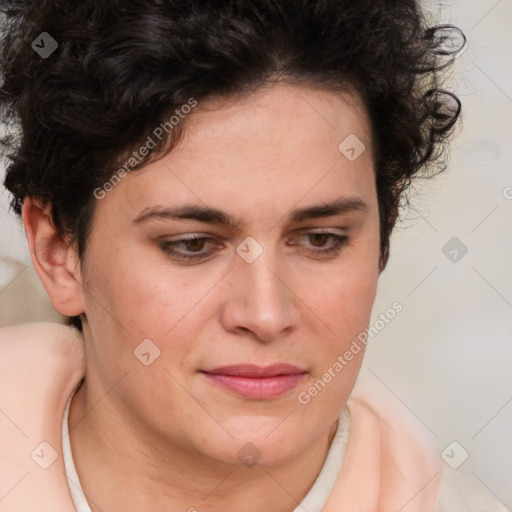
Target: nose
[{"x": 260, "y": 301}]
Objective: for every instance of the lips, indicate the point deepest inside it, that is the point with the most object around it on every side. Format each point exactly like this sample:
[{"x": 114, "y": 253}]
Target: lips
[
  {"x": 256, "y": 382},
  {"x": 251, "y": 370}
]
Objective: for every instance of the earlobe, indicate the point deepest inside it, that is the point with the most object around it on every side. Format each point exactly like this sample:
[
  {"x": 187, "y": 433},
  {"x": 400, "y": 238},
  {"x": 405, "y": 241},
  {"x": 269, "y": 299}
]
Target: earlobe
[{"x": 54, "y": 258}]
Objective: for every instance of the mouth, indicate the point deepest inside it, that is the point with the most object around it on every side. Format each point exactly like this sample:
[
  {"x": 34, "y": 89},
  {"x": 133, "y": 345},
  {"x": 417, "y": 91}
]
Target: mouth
[{"x": 256, "y": 382}]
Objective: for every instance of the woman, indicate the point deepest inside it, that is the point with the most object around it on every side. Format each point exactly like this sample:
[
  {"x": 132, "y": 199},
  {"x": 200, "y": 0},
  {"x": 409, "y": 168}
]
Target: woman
[{"x": 208, "y": 191}]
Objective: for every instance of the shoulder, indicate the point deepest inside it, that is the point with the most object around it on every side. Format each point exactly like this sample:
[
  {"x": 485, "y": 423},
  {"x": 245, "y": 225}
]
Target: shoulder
[
  {"x": 40, "y": 365},
  {"x": 19, "y": 333},
  {"x": 39, "y": 343},
  {"x": 456, "y": 491},
  {"x": 462, "y": 493},
  {"x": 38, "y": 351}
]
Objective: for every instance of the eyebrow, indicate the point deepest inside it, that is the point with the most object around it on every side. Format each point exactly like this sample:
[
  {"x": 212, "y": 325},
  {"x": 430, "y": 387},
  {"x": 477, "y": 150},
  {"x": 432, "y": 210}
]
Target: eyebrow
[{"x": 215, "y": 216}]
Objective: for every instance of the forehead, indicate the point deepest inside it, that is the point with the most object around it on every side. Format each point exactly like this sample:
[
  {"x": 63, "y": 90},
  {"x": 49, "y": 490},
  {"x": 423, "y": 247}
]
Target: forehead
[
  {"x": 280, "y": 144},
  {"x": 284, "y": 115}
]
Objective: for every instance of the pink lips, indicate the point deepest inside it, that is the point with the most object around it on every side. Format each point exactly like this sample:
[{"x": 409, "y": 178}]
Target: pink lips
[{"x": 257, "y": 382}]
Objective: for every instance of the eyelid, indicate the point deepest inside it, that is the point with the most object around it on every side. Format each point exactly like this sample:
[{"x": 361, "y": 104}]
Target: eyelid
[
  {"x": 210, "y": 237},
  {"x": 328, "y": 232},
  {"x": 332, "y": 230}
]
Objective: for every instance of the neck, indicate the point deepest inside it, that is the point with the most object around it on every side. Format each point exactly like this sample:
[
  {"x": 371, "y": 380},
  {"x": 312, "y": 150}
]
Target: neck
[{"x": 123, "y": 468}]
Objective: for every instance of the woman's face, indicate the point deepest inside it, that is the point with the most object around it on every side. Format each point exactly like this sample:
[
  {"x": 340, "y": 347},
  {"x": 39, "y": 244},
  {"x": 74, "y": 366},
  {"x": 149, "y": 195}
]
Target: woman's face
[{"x": 284, "y": 271}]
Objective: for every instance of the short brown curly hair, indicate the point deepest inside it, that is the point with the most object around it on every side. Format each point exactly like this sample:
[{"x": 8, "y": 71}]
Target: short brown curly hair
[{"x": 122, "y": 65}]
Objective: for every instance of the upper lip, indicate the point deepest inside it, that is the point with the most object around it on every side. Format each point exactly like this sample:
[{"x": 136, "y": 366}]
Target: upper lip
[{"x": 251, "y": 370}]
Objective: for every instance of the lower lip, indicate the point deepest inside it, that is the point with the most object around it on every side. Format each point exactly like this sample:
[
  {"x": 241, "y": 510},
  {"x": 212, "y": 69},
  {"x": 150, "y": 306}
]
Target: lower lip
[{"x": 259, "y": 388}]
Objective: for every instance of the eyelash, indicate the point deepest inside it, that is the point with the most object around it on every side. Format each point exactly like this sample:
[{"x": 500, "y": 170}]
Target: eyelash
[{"x": 339, "y": 242}]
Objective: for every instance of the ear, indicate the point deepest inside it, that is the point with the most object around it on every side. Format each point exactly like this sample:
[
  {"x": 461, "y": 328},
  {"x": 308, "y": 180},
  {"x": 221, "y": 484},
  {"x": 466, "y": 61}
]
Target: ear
[{"x": 54, "y": 258}]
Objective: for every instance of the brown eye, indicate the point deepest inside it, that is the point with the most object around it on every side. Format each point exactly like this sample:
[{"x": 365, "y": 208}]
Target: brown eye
[
  {"x": 323, "y": 243},
  {"x": 319, "y": 239},
  {"x": 194, "y": 244},
  {"x": 187, "y": 249}
]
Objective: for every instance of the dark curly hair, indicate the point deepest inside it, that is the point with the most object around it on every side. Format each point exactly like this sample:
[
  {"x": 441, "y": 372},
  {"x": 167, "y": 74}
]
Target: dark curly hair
[{"x": 123, "y": 66}]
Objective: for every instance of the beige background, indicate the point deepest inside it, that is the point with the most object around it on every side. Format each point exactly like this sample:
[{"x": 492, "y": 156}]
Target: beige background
[{"x": 447, "y": 356}]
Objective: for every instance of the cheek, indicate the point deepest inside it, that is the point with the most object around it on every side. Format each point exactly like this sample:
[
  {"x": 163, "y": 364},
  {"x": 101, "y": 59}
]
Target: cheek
[
  {"x": 138, "y": 306},
  {"x": 136, "y": 290},
  {"x": 344, "y": 297},
  {"x": 343, "y": 305}
]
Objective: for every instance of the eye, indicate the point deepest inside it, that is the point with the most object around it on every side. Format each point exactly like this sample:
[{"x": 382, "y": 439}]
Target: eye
[
  {"x": 197, "y": 247},
  {"x": 189, "y": 248},
  {"x": 323, "y": 243}
]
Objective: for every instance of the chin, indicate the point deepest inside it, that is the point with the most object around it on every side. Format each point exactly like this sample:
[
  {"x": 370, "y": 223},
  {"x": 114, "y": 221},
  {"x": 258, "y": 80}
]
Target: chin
[
  {"x": 265, "y": 441},
  {"x": 256, "y": 453}
]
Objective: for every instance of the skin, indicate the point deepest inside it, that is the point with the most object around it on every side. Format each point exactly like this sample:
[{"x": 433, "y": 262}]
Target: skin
[{"x": 163, "y": 437}]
